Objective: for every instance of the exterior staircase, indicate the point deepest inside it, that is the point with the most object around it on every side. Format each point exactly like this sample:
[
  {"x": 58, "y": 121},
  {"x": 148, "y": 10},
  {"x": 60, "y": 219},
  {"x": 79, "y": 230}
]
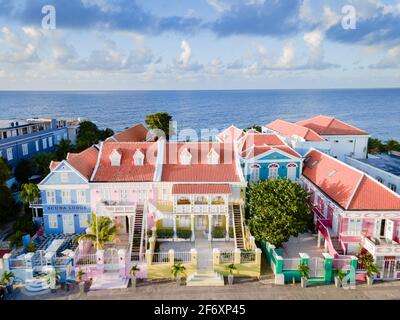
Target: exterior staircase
[
  {"x": 337, "y": 246},
  {"x": 205, "y": 279},
  {"x": 237, "y": 217},
  {"x": 137, "y": 234}
]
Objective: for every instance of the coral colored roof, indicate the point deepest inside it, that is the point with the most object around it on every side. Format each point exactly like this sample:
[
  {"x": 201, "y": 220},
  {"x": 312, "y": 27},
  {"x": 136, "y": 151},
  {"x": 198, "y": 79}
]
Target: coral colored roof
[
  {"x": 261, "y": 139},
  {"x": 199, "y": 170},
  {"x": 54, "y": 165},
  {"x": 201, "y": 189},
  {"x": 289, "y": 129},
  {"x": 230, "y": 134},
  {"x": 137, "y": 133},
  {"x": 325, "y": 125},
  {"x": 256, "y": 151},
  {"x": 347, "y": 186},
  {"x": 84, "y": 161},
  {"x": 127, "y": 171}
]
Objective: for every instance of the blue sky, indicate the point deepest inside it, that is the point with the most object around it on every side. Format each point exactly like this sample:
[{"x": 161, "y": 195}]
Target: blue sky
[{"x": 199, "y": 44}]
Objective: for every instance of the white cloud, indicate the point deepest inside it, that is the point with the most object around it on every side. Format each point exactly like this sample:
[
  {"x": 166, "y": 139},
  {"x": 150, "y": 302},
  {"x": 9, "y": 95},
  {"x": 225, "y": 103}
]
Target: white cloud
[
  {"x": 218, "y": 5},
  {"x": 390, "y": 60},
  {"x": 186, "y": 54},
  {"x": 287, "y": 59}
]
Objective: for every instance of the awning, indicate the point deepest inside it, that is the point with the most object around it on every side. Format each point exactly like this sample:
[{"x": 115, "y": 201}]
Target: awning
[{"x": 201, "y": 189}]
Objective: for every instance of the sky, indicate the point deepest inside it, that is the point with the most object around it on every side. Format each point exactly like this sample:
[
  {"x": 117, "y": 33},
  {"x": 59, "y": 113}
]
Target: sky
[{"x": 199, "y": 44}]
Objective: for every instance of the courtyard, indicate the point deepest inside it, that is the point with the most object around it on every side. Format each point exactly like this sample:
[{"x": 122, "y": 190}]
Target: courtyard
[{"x": 304, "y": 243}]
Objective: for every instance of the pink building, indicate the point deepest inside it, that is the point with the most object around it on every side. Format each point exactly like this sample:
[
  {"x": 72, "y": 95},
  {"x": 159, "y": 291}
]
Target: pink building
[{"x": 353, "y": 210}]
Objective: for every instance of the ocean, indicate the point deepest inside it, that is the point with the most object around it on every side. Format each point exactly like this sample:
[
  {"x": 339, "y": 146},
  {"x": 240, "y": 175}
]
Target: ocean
[{"x": 375, "y": 110}]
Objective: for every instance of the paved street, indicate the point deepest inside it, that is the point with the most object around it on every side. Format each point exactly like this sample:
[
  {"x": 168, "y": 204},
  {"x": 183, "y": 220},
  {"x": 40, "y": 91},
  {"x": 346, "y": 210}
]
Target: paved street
[{"x": 251, "y": 290}]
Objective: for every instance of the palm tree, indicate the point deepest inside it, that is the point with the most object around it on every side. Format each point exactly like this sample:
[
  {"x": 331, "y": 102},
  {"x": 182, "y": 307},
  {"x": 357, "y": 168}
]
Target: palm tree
[
  {"x": 29, "y": 193},
  {"x": 101, "y": 230},
  {"x": 63, "y": 148}
]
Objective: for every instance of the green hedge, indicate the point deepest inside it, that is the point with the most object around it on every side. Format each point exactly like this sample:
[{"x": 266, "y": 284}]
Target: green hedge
[
  {"x": 218, "y": 233},
  {"x": 231, "y": 233},
  {"x": 184, "y": 234},
  {"x": 165, "y": 233}
]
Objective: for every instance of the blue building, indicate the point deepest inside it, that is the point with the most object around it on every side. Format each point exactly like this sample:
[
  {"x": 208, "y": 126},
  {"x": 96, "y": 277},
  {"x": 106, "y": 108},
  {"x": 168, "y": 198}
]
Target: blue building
[
  {"x": 65, "y": 193},
  {"x": 266, "y": 156},
  {"x": 22, "y": 139}
]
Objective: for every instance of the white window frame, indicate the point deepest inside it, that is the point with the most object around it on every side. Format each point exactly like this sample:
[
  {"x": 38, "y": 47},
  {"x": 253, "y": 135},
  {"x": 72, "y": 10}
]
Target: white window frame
[
  {"x": 25, "y": 149},
  {"x": 164, "y": 194},
  {"x": 255, "y": 173},
  {"x": 184, "y": 221},
  {"x": 66, "y": 196},
  {"x": 37, "y": 145},
  {"x": 293, "y": 169},
  {"x": 83, "y": 220},
  {"x": 273, "y": 171},
  {"x": 50, "y": 197},
  {"x": 123, "y": 195},
  {"x": 53, "y": 221},
  {"x": 81, "y": 196},
  {"x": 44, "y": 143},
  {"x": 354, "y": 226},
  {"x": 106, "y": 194},
  {"x": 50, "y": 142},
  {"x": 64, "y": 177},
  {"x": 10, "y": 155}
]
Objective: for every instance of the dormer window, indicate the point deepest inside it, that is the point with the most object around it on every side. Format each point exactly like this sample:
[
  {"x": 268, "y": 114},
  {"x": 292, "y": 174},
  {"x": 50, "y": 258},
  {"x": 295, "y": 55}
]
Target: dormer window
[
  {"x": 138, "y": 158},
  {"x": 213, "y": 157},
  {"x": 115, "y": 158},
  {"x": 185, "y": 157}
]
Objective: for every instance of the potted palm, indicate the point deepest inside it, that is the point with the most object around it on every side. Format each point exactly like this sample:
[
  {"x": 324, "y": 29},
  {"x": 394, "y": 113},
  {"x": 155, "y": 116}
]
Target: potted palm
[
  {"x": 304, "y": 273},
  {"x": 79, "y": 278},
  {"x": 177, "y": 270},
  {"x": 371, "y": 269},
  {"x": 132, "y": 273},
  {"x": 7, "y": 280},
  {"x": 231, "y": 268},
  {"x": 339, "y": 276}
]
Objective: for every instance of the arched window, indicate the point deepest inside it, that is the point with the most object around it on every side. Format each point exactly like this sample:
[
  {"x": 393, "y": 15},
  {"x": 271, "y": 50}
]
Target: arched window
[
  {"x": 292, "y": 171},
  {"x": 273, "y": 171},
  {"x": 254, "y": 173}
]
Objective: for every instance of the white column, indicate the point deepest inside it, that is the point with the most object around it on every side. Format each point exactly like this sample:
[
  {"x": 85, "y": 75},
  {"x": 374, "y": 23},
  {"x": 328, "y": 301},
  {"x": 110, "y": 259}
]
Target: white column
[
  {"x": 174, "y": 220},
  {"x": 192, "y": 225},
  {"x": 210, "y": 221},
  {"x": 227, "y": 223}
]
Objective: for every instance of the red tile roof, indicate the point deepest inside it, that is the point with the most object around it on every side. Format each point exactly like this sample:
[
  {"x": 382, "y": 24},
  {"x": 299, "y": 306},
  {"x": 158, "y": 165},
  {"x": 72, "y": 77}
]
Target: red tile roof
[
  {"x": 137, "y": 133},
  {"x": 199, "y": 170},
  {"x": 325, "y": 125},
  {"x": 84, "y": 161},
  {"x": 230, "y": 134},
  {"x": 260, "y": 139},
  {"x": 54, "y": 165},
  {"x": 256, "y": 151},
  {"x": 289, "y": 129},
  {"x": 127, "y": 171},
  {"x": 201, "y": 189},
  {"x": 347, "y": 186}
]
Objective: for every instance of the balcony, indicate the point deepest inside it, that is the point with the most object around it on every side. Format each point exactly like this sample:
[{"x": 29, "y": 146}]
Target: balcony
[{"x": 380, "y": 247}]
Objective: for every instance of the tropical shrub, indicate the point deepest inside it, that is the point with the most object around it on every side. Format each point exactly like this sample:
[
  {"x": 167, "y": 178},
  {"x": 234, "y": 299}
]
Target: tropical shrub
[
  {"x": 165, "y": 233},
  {"x": 101, "y": 231},
  {"x": 184, "y": 234},
  {"x": 218, "y": 233}
]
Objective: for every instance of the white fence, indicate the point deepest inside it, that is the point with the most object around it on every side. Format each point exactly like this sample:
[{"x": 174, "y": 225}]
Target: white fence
[
  {"x": 184, "y": 257},
  {"x": 85, "y": 259},
  {"x": 160, "y": 257},
  {"x": 317, "y": 267},
  {"x": 291, "y": 264}
]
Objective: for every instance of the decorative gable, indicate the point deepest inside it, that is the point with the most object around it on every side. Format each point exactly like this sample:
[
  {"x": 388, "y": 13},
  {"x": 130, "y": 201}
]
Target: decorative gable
[
  {"x": 185, "y": 157},
  {"x": 115, "y": 158},
  {"x": 213, "y": 157},
  {"x": 138, "y": 158}
]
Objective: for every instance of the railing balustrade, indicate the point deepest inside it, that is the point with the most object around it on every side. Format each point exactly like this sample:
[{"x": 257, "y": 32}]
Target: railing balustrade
[
  {"x": 160, "y": 257},
  {"x": 227, "y": 257},
  {"x": 184, "y": 257},
  {"x": 247, "y": 256},
  {"x": 291, "y": 264}
]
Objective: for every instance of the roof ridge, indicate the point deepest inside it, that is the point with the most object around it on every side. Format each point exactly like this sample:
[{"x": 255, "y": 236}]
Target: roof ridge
[{"x": 355, "y": 191}]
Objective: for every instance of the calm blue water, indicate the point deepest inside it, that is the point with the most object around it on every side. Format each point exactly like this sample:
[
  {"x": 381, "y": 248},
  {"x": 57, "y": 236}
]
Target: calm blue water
[{"x": 377, "y": 110}]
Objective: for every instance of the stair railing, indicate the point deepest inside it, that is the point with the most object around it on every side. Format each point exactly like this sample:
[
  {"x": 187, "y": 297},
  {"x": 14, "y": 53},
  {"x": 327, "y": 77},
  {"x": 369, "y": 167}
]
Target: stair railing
[
  {"x": 233, "y": 223},
  {"x": 131, "y": 231},
  {"x": 144, "y": 221},
  {"x": 242, "y": 225}
]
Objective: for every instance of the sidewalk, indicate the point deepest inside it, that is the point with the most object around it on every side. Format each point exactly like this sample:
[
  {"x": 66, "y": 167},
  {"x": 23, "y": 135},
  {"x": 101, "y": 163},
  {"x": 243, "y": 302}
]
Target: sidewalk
[{"x": 246, "y": 290}]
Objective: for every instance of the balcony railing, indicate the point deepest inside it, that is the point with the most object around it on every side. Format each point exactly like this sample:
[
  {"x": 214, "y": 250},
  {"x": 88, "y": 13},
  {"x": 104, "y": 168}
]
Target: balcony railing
[
  {"x": 111, "y": 207},
  {"x": 379, "y": 247}
]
